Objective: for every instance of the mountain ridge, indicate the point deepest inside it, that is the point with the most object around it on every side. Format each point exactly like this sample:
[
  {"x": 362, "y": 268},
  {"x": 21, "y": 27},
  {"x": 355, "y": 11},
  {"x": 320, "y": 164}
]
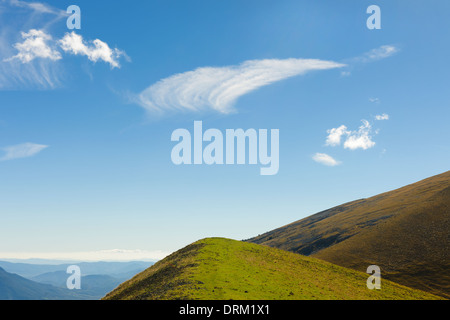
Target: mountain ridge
[{"x": 223, "y": 269}]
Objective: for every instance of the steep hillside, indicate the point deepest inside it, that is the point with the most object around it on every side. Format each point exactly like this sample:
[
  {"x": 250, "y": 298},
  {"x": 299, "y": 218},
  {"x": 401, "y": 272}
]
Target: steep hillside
[
  {"x": 217, "y": 268},
  {"x": 406, "y": 232}
]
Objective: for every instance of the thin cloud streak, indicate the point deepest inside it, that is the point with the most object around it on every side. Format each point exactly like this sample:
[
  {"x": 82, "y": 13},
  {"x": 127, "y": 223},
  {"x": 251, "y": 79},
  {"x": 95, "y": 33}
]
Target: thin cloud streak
[
  {"x": 38, "y": 7},
  {"x": 99, "y": 255},
  {"x": 382, "y": 52},
  {"x": 23, "y": 150}
]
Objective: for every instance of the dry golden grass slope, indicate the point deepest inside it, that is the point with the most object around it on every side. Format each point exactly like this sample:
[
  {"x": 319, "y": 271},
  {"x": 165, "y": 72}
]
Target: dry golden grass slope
[{"x": 406, "y": 232}]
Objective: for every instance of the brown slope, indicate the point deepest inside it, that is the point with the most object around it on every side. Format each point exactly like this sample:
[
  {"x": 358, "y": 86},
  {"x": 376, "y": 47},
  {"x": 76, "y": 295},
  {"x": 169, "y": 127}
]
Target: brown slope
[{"x": 406, "y": 232}]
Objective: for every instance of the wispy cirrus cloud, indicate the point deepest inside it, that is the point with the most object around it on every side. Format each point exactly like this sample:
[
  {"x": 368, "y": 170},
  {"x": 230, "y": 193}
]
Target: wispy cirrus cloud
[
  {"x": 37, "y": 7},
  {"x": 23, "y": 150},
  {"x": 325, "y": 159},
  {"x": 373, "y": 55},
  {"x": 218, "y": 88},
  {"x": 38, "y": 74}
]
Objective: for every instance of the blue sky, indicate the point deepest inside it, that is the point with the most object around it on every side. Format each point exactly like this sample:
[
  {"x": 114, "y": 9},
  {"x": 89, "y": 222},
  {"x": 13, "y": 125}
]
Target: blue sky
[{"x": 85, "y": 140}]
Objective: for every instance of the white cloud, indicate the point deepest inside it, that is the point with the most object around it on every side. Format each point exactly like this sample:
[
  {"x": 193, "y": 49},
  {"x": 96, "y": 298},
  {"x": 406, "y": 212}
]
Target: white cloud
[
  {"x": 218, "y": 88},
  {"x": 360, "y": 139},
  {"x": 23, "y": 150},
  {"x": 98, "y": 50},
  {"x": 374, "y": 100},
  {"x": 35, "y": 46},
  {"x": 36, "y": 63},
  {"x": 32, "y": 67},
  {"x": 325, "y": 159},
  {"x": 354, "y": 139},
  {"x": 383, "y": 116},
  {"x": 100, "y": 255},
  {"x": 381, "y": 52},
  {"x": 335, "y": 134}
]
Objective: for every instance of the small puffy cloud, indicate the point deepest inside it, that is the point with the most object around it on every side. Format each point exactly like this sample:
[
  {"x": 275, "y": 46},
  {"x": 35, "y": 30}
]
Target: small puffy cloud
[
  {"x": 383, "y": 116},
  {"x": 374, "y": 100},
  {"x": 334, "y": 136},
  {"x": 35, "y": 46},
  {"x": 23, "y": 150},
  {"x": 354, "y": 139},
  {"x": 360, "y": 139},
  {"x": 74, "y": 44},
  {"x": 218, "y": 88},
  {"x": 325, "y": 159}
]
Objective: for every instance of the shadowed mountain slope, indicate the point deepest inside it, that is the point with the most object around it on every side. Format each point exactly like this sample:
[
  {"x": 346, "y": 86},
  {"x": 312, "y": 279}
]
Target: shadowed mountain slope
[{"x": 405, "y": 231}]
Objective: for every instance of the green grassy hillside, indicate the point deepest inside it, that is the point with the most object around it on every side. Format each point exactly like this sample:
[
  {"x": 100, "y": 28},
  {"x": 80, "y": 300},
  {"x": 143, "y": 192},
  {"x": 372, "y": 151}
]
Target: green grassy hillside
[
  {"x": 218, "y": 268},
  {"x": 406, "y": 232}
]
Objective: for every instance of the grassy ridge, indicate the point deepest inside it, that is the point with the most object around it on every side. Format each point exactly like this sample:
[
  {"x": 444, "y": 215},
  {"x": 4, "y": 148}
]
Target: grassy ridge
[{"x": 218, "y": 268}]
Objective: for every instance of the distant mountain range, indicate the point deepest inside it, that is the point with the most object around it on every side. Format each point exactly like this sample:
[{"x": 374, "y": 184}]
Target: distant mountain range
[
  {"x": 15, "y": 287},
  {"x": 118, "y": 269},
  {"x": 406, "y": 232},
  {"x": 24, "y": 281}
]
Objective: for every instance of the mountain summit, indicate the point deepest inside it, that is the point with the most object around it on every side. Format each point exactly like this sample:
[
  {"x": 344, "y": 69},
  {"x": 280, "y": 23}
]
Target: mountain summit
[{"x": 222, "y": 269}]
